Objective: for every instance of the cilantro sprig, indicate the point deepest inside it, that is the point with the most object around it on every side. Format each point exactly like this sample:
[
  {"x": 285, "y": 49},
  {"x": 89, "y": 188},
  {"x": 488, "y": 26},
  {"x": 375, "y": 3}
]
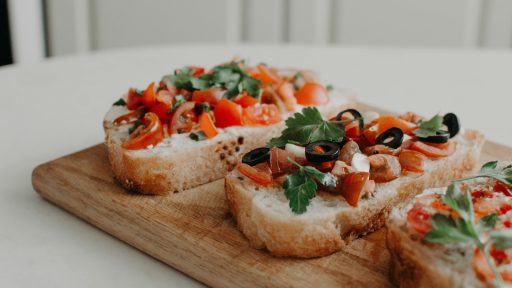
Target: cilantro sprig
[
  {"x": 300, "y": 186},
  {"x": 228, "y": 76},
  {"x": 179, "y": 100},
  {"x": 429, "y": 127},
  {"x": 305, "y": 127},
  {"x": 463, "y": 229}
]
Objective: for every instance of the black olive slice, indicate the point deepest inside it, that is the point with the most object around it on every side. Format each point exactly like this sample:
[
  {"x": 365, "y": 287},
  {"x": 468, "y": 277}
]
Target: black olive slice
[
  {"x": 440, "y": 137},
  {"x": 355, "y": 115},
  {"x": 392, "y": 137},
  {"x": 331, "y": 151},
  {"x": 452, "y": 122},
  {"x": 256, "y": 156}
]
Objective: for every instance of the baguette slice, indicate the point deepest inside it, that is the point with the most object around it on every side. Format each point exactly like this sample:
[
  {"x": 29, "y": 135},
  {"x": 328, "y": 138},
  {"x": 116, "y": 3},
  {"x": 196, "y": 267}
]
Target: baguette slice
[
  {"x": 264, "y": 217},
  {"x": 179, "y": 163},
  {"x": 415, "y": 263}
]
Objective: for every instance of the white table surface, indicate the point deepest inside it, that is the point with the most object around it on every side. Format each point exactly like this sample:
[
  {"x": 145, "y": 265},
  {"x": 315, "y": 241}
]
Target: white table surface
[{"x": 55, "y": 107}]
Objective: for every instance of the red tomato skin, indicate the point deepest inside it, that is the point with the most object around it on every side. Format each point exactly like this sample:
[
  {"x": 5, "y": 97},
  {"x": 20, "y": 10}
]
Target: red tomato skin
[
  {"x": 419, "y": 219},
  {"x": 433, "y": 152},
  {"x": 263, "y": 114},
  {"x": 211, "y": 96},
  {"x": 134, "y": 99},
  {"x": 151, "y": 135},
  {"x": 502, "y": 188},
  {"x": 312, "y": 94},
  {"x": 245, "y": 100},
  {"x": 149, "y": 96},
  {"x": 259, "y": 173},
  {"x": 353, "y": 185},
  {"x": 227, "y": 113}
]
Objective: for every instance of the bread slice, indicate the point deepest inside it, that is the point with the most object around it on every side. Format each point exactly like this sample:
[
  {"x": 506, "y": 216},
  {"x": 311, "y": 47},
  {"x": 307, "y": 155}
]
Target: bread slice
[
  {"x": 179, "y": 163},
  {"x": 264, "y": 217},
  {"x": 415, "y": 264}
]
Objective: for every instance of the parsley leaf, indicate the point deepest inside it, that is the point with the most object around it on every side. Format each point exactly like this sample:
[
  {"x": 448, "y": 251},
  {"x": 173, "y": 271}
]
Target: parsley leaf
[
  {"x": 197, "y": 136},
  {"x": 430, "y": 127},
  {"x": 119, "y": 102},
  {"x": 463, "y": 229},
  {"x": 306, "y": 127},
  {"x": 300, "y": 186},
  {"x": 329, "y": 87},
  {"x": 227, "y": 76},
  {"x": 179, "y": 100}
]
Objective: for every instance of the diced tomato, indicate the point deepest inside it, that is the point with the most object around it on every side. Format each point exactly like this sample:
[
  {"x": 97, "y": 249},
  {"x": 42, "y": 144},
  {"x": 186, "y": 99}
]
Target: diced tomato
[
  {"x": 412, "y": 161},
  {"x": 151, "y": 133},
  {"x": 439, "y": 205},
  {"x": 211, "y": 96},
  {"x": 370, "y": 133},
  {"x": 500, "y": 187},
  {"x": 259, "y": 173},
  {"x": 265, "y": 74},
  {"x": 353, "y": 185},
  {"x": 312, "y": 94},
  {"x": 387, "y": 122},
  {"x": 433, "y": 152},
  {"x": 227, "y": 113},
  {"x": 285, "y": 92},
  {"x": 279, "y": 163},
  {"x": 507, "y": 223},
  {"x": 163, "y": 103},
  {"x": 134, "y": 99},
  {"x": 129, "y": 117},
  {"x": 245, "y": 100},
  {"x": 505, "y": 208},
  {"x": 196, "y": 71},
  {"x": 480, "y": 193},
  {"x": 183, "y": 118},
  {"x": 418, "y": 219},
  {"x": 149, "y": 96},
  {"x": 207, "y": 126},
  {"x": 263, "y": 114},
  {"x": 481, "y": 267}
]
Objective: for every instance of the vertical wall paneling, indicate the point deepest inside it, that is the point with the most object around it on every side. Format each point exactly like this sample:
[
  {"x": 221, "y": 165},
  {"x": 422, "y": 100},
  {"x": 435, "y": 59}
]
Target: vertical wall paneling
[
  {"x": 234, "y": 21},
  {"x": 82, "y": 25},
  {"x": 264, "y": 21},
  {"x": 116, "y": 22},
  {"x": 473, "y": 22},
  {"x": 27, "y": 33},
  {"x": 403, "y": 22},
  {"x": 68, "y": 26},
  {"x": 309, "y": 21},
  {"x": 496, "y": 28}
]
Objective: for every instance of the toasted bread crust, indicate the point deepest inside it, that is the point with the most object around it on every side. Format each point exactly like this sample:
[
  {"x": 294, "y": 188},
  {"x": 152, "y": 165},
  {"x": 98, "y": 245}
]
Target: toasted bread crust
[
  {"x": 175, "y": 171},
  {"x": 300, "y": 236}
]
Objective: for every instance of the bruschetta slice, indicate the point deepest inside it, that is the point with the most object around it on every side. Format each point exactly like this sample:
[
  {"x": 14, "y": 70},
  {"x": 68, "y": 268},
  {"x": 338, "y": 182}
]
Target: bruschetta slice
[
  {"x": 324, "y": 182},
  {"x": 193, "y": 126},
  {"x": 459, "y": 236}
]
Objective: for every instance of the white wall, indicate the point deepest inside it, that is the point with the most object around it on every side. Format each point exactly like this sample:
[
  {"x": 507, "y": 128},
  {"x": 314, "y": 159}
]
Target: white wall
[{"x": 81, "y": 25}]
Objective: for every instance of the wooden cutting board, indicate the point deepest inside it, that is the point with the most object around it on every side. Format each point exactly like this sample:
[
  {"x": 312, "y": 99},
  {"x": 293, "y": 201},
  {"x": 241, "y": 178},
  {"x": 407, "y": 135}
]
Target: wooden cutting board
[{"x": 194, "y": 232}]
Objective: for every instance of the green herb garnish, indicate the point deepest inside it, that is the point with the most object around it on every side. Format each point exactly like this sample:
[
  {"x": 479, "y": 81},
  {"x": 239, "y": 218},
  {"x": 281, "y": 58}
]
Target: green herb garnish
[
  {"x": 228, "y": 76},
  {"x": 329, "y": 87},
  {"x": 179, "y": 100},
  {"x": 119, "y": 102},
  {"x": 306, "y": 127},
  {"x": 430, "y": 127},
  {"x": 300, "y": 186},
  {"x": 203, "y": 107},
  {"x": 463, "y": 229},
  {"x": 197, "y": 136}
]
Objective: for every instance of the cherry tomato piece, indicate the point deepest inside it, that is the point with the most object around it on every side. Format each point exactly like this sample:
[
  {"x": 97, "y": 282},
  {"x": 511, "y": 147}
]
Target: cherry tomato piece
[
  {"x": 263, "y": 114},
  {"x": 227, "y": 113},
  {"x": 150, "y": 133},
  {"x": 312, "y": 94}
]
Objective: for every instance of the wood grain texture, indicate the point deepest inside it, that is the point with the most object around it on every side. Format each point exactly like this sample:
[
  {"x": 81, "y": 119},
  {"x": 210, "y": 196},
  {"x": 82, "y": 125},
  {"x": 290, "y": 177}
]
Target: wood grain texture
[{"x": 194, "y": 232}]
